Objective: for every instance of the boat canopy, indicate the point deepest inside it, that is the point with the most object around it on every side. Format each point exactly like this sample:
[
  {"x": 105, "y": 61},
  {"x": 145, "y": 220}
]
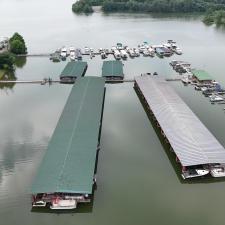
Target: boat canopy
[
  {"x": 69, "y": 162},
  {"x": 192, "y": 142}
]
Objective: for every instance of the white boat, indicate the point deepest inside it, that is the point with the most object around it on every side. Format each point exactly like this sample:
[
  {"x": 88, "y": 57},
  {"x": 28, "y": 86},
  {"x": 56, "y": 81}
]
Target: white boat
[
  {"x": 123, "y": 54},
  {"x": 72, "y": 56},
  {"x": 142, "y": 48},
  {"x": 131, "y": 53},
  {"x": 72, "y": 53},
  {"x": 151, "y": 51},
  {"x": 191, "y": 173},
  {"x": 137, "y": 52},
  {"x": 91, "y": 50},
  {"x": 63, "y": 204},
  {"x": 63, "y": 53},
  {"x": 86, "y": 50},
  {"x": 217, "y": 171},
  {"x": 215, "y": 98},
  {"x": 185, "y": 80},
  {"x": 177, "y": 51},
  {"x": 117, "y": 54},
  {"x": 39, "y": 204},
  {"x": 113, "y": 48},
  {"x": 167, "y": 45},
  {"x": 146, "y": 52}
]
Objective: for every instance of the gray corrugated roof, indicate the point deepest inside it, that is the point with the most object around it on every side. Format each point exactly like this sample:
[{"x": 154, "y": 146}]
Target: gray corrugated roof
[
  {"x": 112, "y": 68},
  {"x": 74, "y": 69},
  {"x": 192, "y": 142},
  {"x": 69, "y": 162}
]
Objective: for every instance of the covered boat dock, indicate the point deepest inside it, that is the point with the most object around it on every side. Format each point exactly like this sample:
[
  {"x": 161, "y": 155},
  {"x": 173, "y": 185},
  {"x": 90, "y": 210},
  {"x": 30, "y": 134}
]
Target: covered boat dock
[
  {"x": 113, "y": 70},
  {"x": 67, "y": 171},
  {"x": 195, "y": 147},
  {"x": 72, "y": 71},
  {"x": 202, "y": 76}
]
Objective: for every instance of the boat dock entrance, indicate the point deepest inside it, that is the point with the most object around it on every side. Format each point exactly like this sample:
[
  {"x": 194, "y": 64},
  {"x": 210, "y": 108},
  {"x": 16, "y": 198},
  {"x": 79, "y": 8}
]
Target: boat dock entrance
[
  {"x": 196, "y": 149},
  {"x": 67, "y": 173}
]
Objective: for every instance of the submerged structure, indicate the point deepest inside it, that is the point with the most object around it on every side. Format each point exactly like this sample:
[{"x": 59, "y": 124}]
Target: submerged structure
[
  {"x": 67, "y": 172},
  {"x": 113, "y": 70},
  {"x": 72, "y": 71},
  {"x": 195, "y": 147}
]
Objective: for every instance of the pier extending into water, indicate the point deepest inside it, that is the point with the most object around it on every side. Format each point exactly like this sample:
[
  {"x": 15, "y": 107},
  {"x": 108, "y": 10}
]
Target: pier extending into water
[
  {"x": 195, "y": 147},
  {"x": 67, "y": 173}
]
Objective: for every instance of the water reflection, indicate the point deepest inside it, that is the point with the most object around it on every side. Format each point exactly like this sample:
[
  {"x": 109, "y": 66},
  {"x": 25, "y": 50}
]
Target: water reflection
[
  {"x": 20, "y": 62},
  {"x": 10, "y": 75}
]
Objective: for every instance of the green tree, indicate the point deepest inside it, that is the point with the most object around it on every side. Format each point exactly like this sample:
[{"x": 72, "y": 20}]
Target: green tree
[{"x": 17, "y": 44}]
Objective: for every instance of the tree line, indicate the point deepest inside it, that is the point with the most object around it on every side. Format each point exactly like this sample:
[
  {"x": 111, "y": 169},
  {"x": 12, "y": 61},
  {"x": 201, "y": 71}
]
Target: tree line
[
  {"x": 215, "y": 17},
  {"x": 155, "y": 6}
]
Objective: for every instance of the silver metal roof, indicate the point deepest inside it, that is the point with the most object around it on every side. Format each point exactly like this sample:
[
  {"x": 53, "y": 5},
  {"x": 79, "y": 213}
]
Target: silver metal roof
[{"x": 192, "y": 142}]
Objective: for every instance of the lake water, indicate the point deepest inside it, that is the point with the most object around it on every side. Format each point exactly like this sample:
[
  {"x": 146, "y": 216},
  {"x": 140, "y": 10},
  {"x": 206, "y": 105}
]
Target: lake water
[{"x": 138, "y": 182}]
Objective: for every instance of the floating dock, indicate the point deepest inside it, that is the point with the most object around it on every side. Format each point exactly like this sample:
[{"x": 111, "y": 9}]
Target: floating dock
[
  {"x": 195, "y": 147},
  {"x": 113, "y": 70},
  {"x": 68, "y": 169},
  {"x": 72, "y": 71}
]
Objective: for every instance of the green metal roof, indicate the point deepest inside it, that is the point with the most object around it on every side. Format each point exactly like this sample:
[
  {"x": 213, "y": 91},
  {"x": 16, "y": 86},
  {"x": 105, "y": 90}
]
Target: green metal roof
[
  {"x": 69, "y": 163},
  {"x": 74, "y": 69},
  {"x": 112, "y": 68},
  {"x": 202, "y": 75}
]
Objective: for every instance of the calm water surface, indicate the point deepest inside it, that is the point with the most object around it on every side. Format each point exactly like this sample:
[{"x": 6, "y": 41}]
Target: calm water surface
[{"x": 137, "y": 179}]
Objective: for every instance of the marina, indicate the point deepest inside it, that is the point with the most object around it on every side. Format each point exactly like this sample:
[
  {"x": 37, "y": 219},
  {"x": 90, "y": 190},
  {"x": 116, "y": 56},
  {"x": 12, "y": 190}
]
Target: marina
[
  {"x": 119, "y": 51},
  {"x": 196, "y": 149},
  {"x": 67, "y": 173},
  {"x": 134, "y": 160}
]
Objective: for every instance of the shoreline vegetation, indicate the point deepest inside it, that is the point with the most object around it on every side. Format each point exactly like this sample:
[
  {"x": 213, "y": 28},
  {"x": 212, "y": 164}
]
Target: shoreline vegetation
[
  {"x": 149, "y": 6},
  {"x": 214, "y": 10},
  {"x": 15, "y": 46},
  {"x": 215, "y": 17}
]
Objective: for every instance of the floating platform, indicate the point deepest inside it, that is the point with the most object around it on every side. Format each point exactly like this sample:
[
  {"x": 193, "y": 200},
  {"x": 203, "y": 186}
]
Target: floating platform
[
  {"x": 68, "y": 168},
  {"x": 193, "y": 144},
  {"x": 72, "y": 71},
  {"x": 113, "y": 70}
]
